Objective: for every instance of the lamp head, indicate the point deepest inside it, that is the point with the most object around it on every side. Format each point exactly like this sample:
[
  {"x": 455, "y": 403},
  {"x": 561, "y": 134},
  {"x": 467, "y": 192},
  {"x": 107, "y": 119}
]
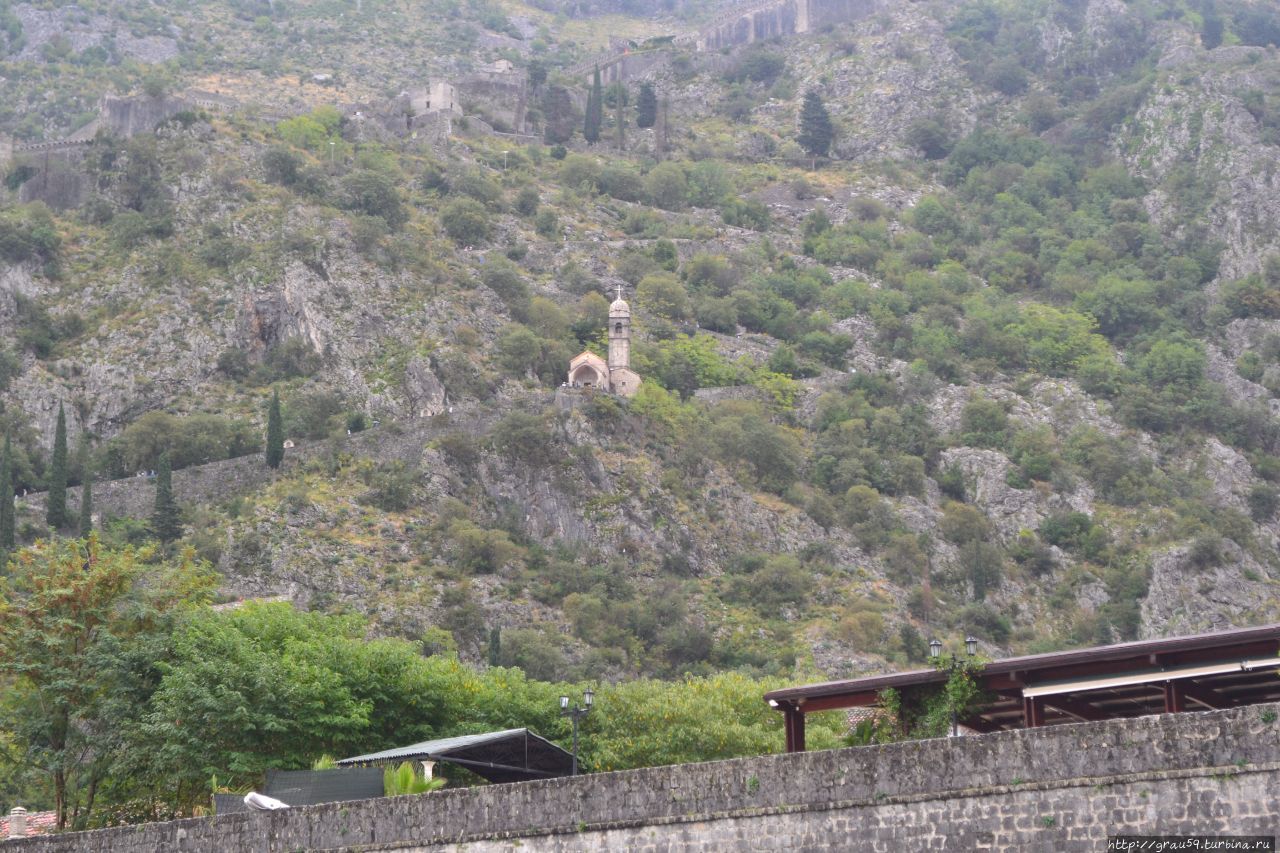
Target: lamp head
[
  {"x": 588, "y": 697},
  {"x": 935, "y": 648},
  {"x": 971, "y": 645},
  {"x": 564, "y": 703}
]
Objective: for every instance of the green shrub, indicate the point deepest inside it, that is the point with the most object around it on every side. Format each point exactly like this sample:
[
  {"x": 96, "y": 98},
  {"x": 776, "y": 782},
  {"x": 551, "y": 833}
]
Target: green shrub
[
  {"x": 768, "y": 583},
  {"x": 192, "y": 440},
  {"x": 466, "y": 222}
]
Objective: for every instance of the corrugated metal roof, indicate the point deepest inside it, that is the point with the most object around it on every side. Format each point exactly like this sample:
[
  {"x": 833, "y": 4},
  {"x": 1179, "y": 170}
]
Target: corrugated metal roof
[{"x": 442, "y": 746}]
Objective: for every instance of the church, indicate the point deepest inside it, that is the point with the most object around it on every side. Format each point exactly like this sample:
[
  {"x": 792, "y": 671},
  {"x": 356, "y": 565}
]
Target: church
[{"x": 588, "y": 370}]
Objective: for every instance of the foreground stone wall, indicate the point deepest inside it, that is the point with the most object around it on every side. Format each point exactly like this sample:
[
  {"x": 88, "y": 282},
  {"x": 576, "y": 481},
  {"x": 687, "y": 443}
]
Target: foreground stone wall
[{"x": 1063, "y": 788}]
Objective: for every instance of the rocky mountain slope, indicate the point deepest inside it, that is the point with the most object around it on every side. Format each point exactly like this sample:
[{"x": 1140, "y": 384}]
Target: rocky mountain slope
[{"x": 1006, "y": 364}]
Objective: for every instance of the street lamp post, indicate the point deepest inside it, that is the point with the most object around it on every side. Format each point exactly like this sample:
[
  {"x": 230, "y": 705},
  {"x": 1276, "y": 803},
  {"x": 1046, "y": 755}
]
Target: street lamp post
[
  {"x": 935, "y": 652},
  {"x": 576, "y": 713}
]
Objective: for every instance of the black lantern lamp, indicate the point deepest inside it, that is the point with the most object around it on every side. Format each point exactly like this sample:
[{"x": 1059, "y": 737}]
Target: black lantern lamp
[
  {"x": 935, "y": 652},
  {"x": 576, "y": 713}
]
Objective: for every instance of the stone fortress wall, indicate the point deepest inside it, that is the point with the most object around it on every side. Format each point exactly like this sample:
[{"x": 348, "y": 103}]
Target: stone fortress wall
[
  {"x": 1061, "y": 788},
  {"x": 736, "y": 24},
  {"x": 220, "y": 481}
]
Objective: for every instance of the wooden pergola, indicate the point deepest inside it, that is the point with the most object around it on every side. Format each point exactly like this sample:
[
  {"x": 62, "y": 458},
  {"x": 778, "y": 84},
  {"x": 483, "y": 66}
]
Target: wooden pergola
[{"x": 1203, "y": 671}]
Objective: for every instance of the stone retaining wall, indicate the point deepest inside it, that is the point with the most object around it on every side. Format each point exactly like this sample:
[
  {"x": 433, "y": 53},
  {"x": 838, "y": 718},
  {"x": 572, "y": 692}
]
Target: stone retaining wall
[{"x": 1062, "y": 788}]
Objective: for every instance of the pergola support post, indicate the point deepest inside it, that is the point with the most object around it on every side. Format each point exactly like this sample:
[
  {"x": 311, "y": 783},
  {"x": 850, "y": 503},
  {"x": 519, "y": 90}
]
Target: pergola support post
[
  {"x": 1174, "y": 697},
  {"x": 1032, "y": 711},
  {"x": 793, "y": 723}
]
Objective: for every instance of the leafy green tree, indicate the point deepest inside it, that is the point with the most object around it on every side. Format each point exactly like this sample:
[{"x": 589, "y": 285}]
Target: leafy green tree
[
  {"x": 668, "y": 186},
  {"x": 594, "y": 118},
  {"x": 56, "y": 501},
  {"x": 166, "y": 518},
  {"x": 709, "y": 184},
  {"x": 267, "y": 686},
  {"x": 6, "y": 500},
  {"x": 465, "y": 221},
  {"x": 1057, "y": 340},
  {"x": 70, "y": 613},
  {"x": 374, "y": 194},
  {"x": 527, "y": 201},
  {"x": 651, "y": 723},
  {"x": 770, "y": 454},
  {"x": 560, "y": 117},
  {"x": 646, "y": 106},
  {"x": 1174, "y": 363},
  {"x": 930, "y": 137},
  {"x": 313, "y": 130},
  {"x": 816, "y": 131},
  {"x": 275, "y": 433},
  {"x": 664, "y": 295}
]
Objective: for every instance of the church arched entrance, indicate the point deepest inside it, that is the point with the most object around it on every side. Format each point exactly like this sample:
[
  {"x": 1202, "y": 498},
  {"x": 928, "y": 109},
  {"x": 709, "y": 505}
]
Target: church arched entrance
[{"x": 587, "y": 376}]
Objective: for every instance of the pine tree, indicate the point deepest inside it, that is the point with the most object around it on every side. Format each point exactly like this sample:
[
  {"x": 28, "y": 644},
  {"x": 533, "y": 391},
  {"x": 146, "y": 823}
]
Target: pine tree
[
  {"x": 816, "y": 131},
  {"x": 275, "y": 433},
  {"x": 166, "y": 520},
  {"x": 86, "y": 489},
  {"x": 6, "y": 499},
  {"x": 595, "y": 110},
  {"x": 646, "y": 106},
  {"x": 56, "y": 503}
]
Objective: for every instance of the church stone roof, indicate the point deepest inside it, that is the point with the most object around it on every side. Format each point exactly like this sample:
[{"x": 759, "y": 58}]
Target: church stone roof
[
  {"x": 619, "y": 308},
  {"x": 587, "y": 356}
]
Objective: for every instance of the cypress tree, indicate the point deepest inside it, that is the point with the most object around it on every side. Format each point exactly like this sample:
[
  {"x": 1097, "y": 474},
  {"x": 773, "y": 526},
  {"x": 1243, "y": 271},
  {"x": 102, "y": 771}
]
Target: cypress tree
[
  {"x": 275, "y": 433},
  {"x": 595, "y": 110},
  {"x": 646, "y": 106},
  {"x": 495, "y": 646},
  {"x": 619, "y": 117},
  {"x": 6, "y": 499},
  {"x": 816, "y": 131},
  {"x": 56, "y": 505},
  {"x": 166, "y": 520},
  {"x": 86, "y": 490},
  {"x": 661, "y": 128},
  {"x": 1212, "y": 26}
]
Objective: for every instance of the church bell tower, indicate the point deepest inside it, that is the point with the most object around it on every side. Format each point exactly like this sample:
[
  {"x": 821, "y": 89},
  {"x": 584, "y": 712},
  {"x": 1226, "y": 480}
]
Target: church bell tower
[{"x": 619, "y": 334}]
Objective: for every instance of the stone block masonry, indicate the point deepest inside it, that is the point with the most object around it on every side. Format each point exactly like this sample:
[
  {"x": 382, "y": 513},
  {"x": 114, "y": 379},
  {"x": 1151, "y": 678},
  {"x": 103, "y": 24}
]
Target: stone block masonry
[{"x": 1062, "y": 788}]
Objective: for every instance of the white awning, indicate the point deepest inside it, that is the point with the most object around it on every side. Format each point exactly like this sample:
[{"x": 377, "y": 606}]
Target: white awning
[{"x": 1154, "y": 676}]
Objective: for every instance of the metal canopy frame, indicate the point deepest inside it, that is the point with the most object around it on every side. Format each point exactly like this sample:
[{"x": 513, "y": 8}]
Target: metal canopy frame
[
  {"x": 513, "y": 755},
  {"x": 1216, "y": 670}
]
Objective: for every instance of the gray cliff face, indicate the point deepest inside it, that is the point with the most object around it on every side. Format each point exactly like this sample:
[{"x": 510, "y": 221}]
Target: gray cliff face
[
  {"x": 1203, "y": 151},
  {"x": 80, "y": 31}
]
